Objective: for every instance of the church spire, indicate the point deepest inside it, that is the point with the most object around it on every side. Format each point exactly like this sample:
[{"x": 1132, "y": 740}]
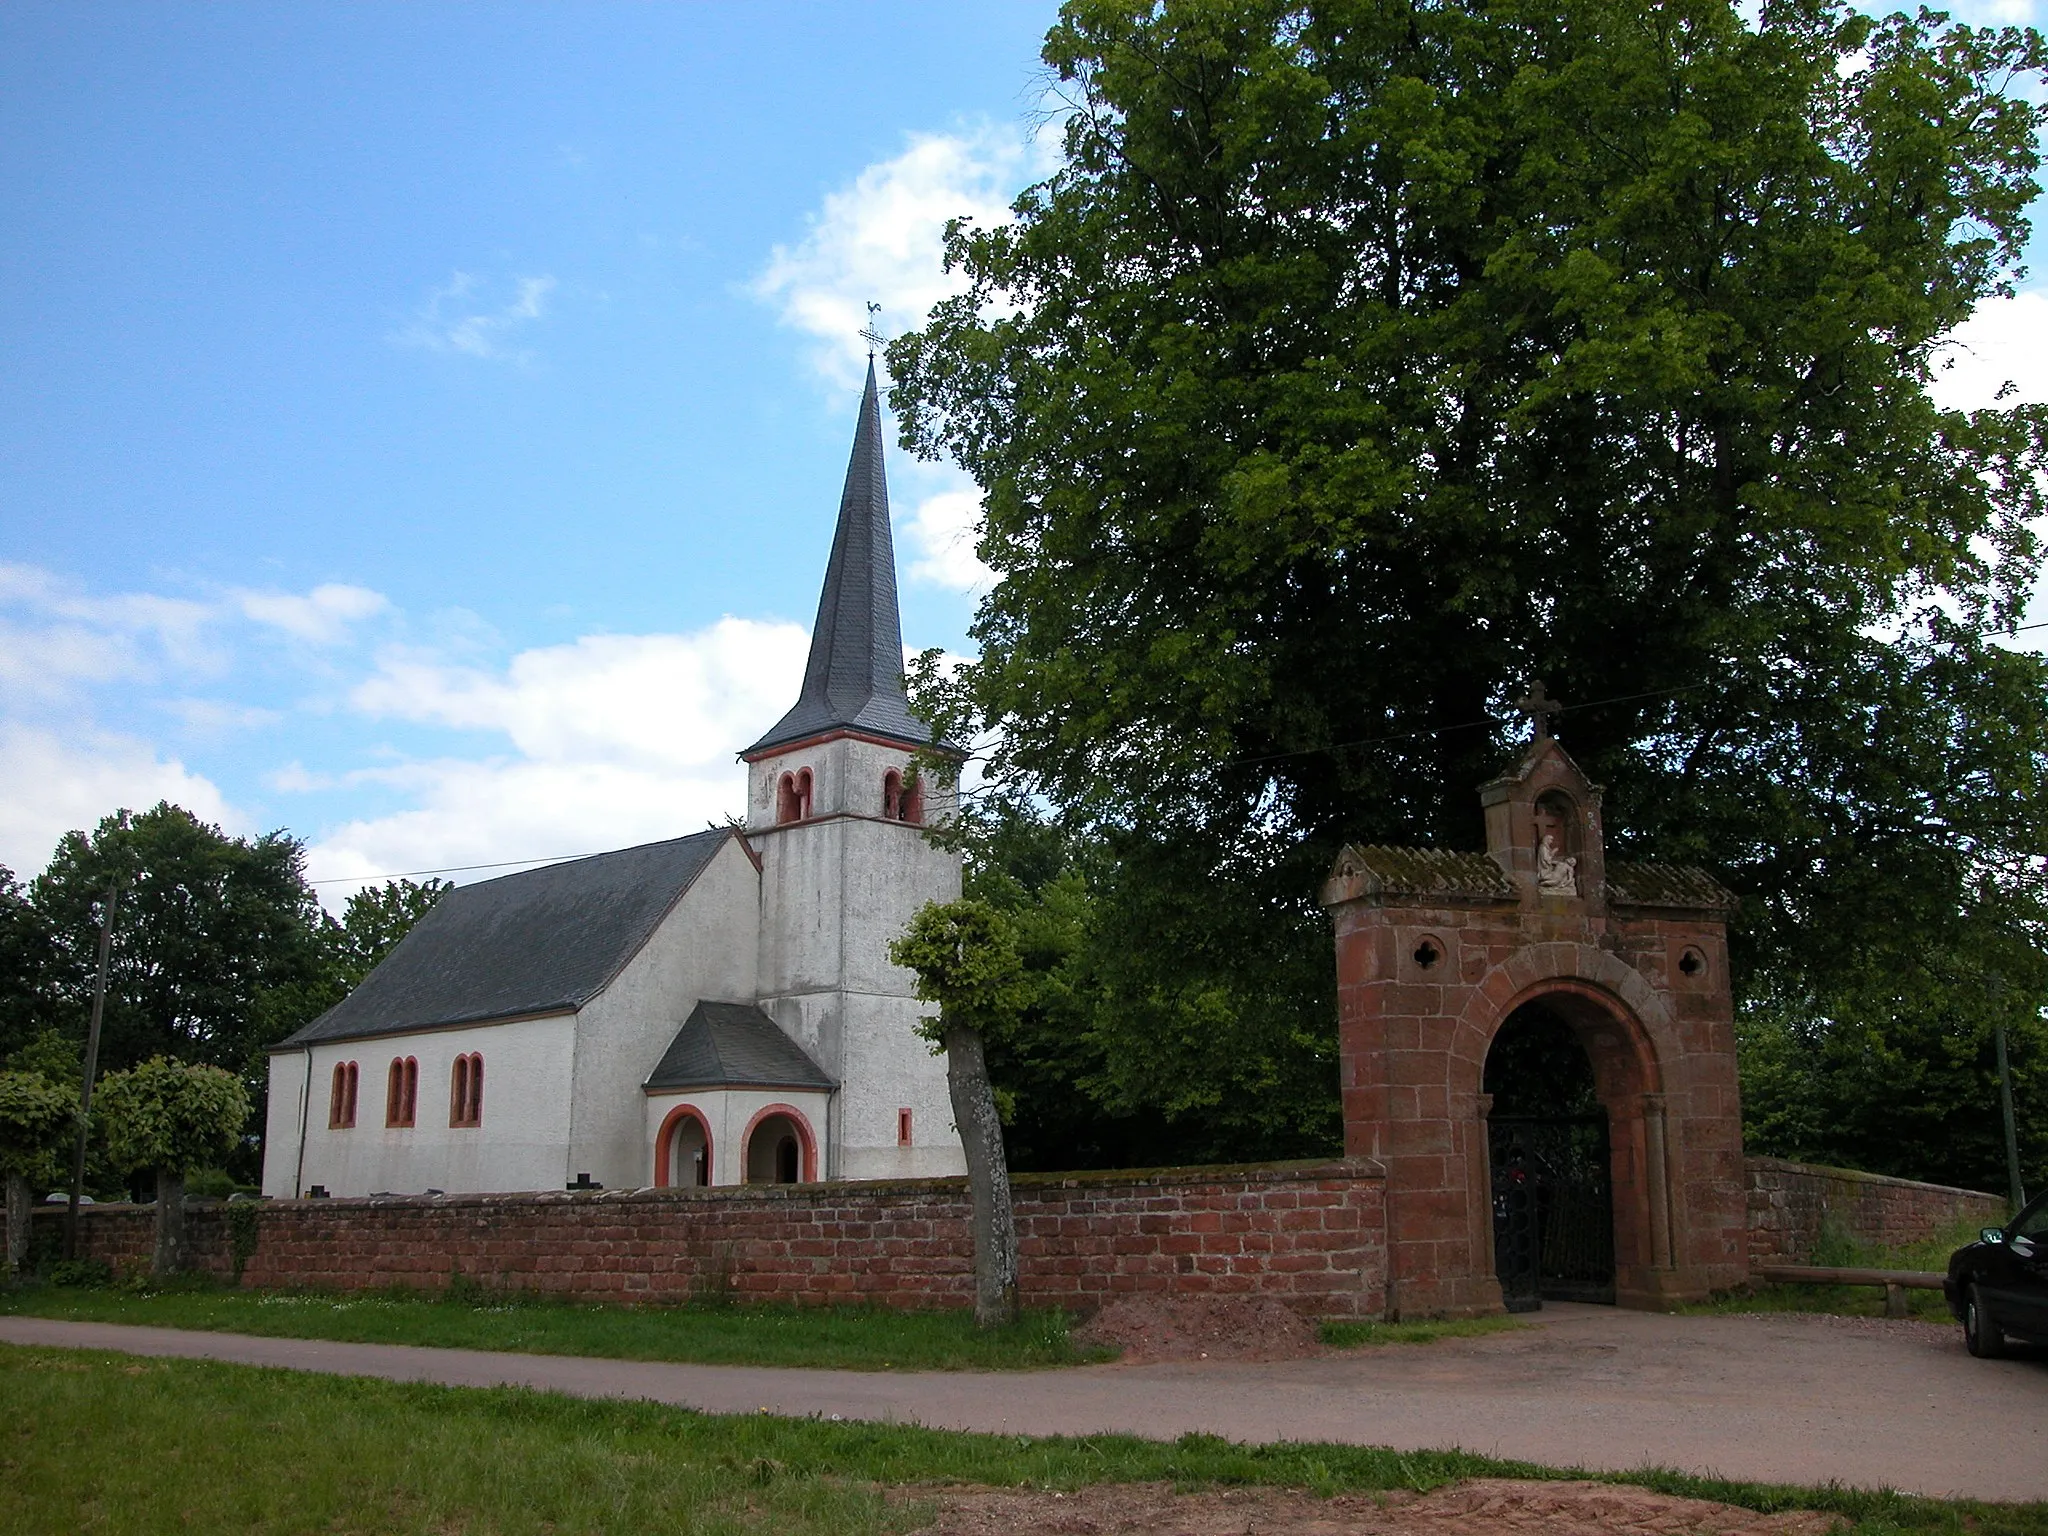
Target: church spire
[{"x": 854, "y": 680}]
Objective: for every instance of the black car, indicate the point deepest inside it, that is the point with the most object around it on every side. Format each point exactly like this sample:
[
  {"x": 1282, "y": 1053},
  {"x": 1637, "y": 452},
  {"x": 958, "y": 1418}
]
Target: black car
[{"x": 1998, "y": 1286}]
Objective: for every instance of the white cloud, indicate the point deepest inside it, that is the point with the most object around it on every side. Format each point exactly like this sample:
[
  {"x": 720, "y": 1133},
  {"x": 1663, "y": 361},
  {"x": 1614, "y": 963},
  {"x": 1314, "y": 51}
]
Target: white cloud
[
  {"x": 2004, "y": 341},
  {"x": 60, "y": 783},
  {"x": 942, "y": 531},
  {"x": 616, "y": 739},
  {"x": 659, "y": 700},
  {"x": 459, "y": 318},
  {"x": 322, "y": 616},
  {"x": 881, "y": 239},
  {"x": 55, "y": 636}
]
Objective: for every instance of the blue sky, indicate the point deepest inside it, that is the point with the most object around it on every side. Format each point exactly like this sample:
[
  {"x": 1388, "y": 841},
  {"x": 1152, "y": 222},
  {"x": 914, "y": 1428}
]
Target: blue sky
[{"x": 420, "y": 426}]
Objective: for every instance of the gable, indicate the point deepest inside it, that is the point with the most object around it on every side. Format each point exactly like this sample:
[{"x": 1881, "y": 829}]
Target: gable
[{"x": 543, "y": 941}]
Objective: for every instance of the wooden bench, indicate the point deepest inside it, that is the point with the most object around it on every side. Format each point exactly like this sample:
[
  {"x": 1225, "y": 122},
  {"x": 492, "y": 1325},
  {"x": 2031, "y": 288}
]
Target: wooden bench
[{"x": 1896, "y": 1282}]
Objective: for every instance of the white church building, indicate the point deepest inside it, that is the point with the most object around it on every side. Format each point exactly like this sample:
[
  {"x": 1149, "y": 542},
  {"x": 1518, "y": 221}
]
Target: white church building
[{"x": 718, "y": 1009}]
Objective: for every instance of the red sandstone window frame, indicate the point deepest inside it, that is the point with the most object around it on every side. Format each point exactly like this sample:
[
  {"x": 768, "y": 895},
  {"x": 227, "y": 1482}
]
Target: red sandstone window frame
[
  {"x": 902, "y": 800},
  {"x": 341, "y": 1099},
  {"x": 666, "y": 1174},
  {"x": 466, "y": 1091},
  {"x": 793, "y": 797},
  {"x": 402, "y": 1092},
  {"x": 902, "y": 1127}
]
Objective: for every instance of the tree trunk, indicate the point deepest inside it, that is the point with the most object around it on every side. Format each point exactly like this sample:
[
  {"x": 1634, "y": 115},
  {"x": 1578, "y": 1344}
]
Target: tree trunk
[
  {"x": 988, "y": 1177},
  {"x": 17, "y": 1224},
  {"x": 170, "y": 1223}
]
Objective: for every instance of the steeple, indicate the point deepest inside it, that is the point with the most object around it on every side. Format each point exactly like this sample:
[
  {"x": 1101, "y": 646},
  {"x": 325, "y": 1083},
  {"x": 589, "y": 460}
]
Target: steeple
[{"x": 854, "y": 680}]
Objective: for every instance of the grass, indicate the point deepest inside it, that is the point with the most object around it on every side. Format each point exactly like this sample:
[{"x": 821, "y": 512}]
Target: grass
[
  {"x": 845, "y": 1338},
  {"x": 1346, "y": 1335},
  {"x": 116, "y": 1444},
  {"x": 1836, "y": 1248}
]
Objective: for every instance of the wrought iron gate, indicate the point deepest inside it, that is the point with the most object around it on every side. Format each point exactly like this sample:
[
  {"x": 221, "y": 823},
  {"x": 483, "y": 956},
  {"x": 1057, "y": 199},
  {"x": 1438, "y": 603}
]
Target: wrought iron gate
[{"x": 1553, "y": 1210}]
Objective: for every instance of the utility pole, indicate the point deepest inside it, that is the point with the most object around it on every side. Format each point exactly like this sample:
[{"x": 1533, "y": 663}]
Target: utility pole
[
  {"x": 2012, "y": 1135},
  {"x": 92, "y": 1062}
]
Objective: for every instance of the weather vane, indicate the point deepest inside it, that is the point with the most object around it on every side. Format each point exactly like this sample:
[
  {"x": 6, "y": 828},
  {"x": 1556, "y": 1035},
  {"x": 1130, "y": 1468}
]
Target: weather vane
[{"x": 868, "y": 333}]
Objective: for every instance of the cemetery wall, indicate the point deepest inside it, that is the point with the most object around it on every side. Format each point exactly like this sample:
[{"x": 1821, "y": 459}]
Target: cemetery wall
[
  {"x": 1794, "y": 1206},
  {"x": 1311, "y": 1235}
]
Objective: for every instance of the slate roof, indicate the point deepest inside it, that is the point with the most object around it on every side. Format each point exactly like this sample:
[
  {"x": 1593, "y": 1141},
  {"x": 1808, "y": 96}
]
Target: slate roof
[
  {"x": 735, "y": 1045},
  {"x": 855, "y": 675},
  {"x": 1429, "y": 872},
  {"x": 544, "y": 941},
  {"x": 1666, "y": 885}
]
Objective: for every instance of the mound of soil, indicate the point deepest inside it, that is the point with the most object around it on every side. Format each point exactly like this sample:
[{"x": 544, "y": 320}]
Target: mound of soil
[
  {"x": 1149, "y": 1328},
  {"x": 1483, "y": 1507}
]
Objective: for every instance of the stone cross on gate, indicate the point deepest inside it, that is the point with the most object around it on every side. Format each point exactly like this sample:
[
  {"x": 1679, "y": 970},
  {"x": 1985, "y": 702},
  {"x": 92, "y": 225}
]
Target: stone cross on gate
[{"x": 1539, "y": 709}]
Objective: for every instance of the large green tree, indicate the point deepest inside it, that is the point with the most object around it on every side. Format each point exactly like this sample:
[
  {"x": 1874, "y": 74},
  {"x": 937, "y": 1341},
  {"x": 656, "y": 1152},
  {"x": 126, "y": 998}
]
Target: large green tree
[
  {"x": 1363, "y": 360},
  {"x": 206, "y": 927}
]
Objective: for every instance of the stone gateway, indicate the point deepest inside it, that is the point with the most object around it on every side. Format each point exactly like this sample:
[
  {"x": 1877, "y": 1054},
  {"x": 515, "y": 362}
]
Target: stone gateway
[{"x": 1580, "y": 1006}]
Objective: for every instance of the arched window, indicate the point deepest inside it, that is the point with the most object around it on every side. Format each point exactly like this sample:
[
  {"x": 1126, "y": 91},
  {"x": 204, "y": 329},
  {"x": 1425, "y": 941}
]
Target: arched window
[
  {"x": 793, "y": 797},
  {"x": 402, "y": 1091},
  {"x": 902, "y": 801},
  {"x": 341, "y": 1100},
  {"x": 466, "y": 1091}
]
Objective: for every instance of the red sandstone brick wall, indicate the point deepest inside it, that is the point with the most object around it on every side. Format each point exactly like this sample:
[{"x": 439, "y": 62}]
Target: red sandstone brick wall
[
  {"x": 1312, "y": 1235},
  {"x": 1309, "y": 1235},
  {"x": 1790, "y": 1204}
]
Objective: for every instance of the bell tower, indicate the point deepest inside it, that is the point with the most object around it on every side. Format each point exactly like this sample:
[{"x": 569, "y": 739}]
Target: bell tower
[{"x": 836, "y": 812}]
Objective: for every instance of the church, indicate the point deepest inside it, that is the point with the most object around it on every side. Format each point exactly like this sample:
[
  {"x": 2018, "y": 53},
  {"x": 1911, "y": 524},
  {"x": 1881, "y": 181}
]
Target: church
[{"x": 717, "y": 1009}]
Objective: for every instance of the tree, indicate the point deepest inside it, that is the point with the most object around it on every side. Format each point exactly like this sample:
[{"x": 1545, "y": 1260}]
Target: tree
[
  {"x": 28, "y": 968},
  {"x": 965, "y": 956},
  {"x": 216, "y": 952},
  {"x": 1363, "y": 360},
  {"x": 171, "y": 1117},
  {"x": 35, "y": 1116},
  {"x": 1128, "y": 1055},
  {"x": 372, "y": 922}
]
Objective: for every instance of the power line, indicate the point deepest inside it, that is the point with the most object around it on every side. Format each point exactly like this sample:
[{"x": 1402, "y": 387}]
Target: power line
[
  {"x": 1269, "y": 757},
  {"x": 450, "y": 869}
]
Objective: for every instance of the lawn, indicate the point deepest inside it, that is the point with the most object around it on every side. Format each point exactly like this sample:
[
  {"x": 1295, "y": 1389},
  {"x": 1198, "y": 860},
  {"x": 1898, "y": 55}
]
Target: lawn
[
  {"x": 845, "y": 1338},
  {"x": 115, "y": 1444}
]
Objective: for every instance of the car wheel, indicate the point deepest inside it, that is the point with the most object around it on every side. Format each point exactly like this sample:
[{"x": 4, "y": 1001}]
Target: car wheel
[{"x": 1981, "y": 1333}]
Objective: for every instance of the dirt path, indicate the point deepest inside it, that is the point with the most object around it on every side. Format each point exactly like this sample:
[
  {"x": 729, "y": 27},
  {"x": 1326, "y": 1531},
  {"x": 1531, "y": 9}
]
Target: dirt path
[
  {"x": 1769, "y": 1398},
  {"x": 1492, "y": 1506}
]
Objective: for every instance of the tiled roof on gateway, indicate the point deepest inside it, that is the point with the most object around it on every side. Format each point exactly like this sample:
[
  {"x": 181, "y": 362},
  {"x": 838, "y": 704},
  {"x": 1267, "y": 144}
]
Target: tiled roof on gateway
[{"x": 543, "y": 941}]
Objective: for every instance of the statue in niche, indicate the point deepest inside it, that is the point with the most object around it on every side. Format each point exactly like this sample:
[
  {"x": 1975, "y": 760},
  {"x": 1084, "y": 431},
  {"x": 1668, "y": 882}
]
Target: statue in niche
[{"x": 1557, "y": 872}]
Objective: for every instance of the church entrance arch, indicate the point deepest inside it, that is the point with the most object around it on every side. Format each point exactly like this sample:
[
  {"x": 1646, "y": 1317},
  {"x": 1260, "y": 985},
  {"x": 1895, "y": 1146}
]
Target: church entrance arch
[
  {"x": 1500, "y": 1016},
  {"x": 682, "y": 1149},
  {"x": 780, "y": 1148}
]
